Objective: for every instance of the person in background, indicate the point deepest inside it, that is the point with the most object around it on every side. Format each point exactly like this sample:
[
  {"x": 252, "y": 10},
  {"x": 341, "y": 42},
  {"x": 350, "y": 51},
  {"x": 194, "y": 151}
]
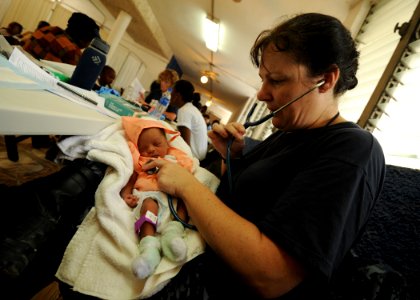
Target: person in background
[
  {"x": 203, "y": 109},
  {"x": 42, "y": 24},
  {"x": 27, "y": 34},
  {"x": 106, "y": 78},
  {"x": 154, "y": 92},
  {"x": 55, "y": 44},
  {"x": 196, "y": 100},
  {"x": 11, "y": 33},
  {"x": 103, "y": 85},
  {"x": 190, "y": 121},
  {"x": 293, "y": 206},
  {"x": 63, "y": 45},
  {"x": 207, "y": 119},
  {"x": 166, "y": 79}
]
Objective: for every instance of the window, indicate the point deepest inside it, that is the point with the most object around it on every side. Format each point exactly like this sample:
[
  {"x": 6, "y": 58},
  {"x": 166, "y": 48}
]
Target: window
[
  {"x": 377, "y": 42},
  {"x": 391, "y": 114}
]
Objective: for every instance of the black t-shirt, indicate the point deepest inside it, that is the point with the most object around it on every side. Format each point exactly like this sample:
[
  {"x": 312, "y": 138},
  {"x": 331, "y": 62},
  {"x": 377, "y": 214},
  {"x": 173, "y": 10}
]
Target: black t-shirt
[{"x": 309, "y": 191}]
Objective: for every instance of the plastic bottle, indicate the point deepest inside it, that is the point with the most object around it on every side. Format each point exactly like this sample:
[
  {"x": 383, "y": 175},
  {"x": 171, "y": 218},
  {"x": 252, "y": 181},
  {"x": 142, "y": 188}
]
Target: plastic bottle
[
  {"x": 162, "y": 105},
  {"x": 90, "y": 65}
]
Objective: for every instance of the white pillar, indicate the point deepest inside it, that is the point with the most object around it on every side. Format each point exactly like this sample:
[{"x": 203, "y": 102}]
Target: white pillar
[{"x": 117, "y": 31}]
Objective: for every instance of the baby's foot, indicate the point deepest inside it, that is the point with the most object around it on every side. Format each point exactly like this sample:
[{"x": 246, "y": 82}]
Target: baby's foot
[
  {"x": 173, "y": 243},
  {"x": 146, "y": 263}
]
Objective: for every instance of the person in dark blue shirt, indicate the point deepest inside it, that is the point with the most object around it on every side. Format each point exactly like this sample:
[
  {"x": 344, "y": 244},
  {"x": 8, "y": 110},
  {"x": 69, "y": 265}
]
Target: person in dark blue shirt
[{"x": 288, "y": 211}]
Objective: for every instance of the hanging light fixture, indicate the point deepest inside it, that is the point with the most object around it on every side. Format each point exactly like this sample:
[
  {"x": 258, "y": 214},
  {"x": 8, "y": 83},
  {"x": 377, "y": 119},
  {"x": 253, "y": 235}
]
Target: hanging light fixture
[
  {"x": 211, "y": 33},
  {"x": 206, "y": 75},
  {"x": 211, "y": 30}
]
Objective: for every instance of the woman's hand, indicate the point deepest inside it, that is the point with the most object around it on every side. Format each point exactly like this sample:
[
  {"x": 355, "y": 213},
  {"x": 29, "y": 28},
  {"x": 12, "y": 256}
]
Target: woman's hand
[
  {"x": 172, "y": 178},
  {"x": 221, "y": 134}
]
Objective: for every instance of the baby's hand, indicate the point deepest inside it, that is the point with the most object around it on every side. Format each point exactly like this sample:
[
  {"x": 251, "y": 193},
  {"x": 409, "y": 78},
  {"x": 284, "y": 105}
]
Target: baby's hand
[{"x": 131, "y": 200}]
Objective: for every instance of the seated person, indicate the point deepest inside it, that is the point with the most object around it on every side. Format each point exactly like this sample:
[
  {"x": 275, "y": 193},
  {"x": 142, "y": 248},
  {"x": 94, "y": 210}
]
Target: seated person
[
  {"x": 26, "y": 35},
  {"x": 63, "y": 45},
  {"x": 154, "y": 93},
  {"x": 147, "y": 141},
  {"x": 11, "y": 32},
  {"x": 105, "y": 79},
  {"x": 166, "y": 80}
]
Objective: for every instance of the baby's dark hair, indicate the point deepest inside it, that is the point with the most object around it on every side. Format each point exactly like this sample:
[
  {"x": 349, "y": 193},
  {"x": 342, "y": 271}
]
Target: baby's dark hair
[
  {"x": 319, "y": 42},
  {"x": 162, "y": 131}
]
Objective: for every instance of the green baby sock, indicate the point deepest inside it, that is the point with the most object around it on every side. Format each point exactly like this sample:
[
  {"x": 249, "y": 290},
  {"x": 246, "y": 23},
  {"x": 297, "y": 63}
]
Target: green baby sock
[
  {"x": 145, "y": 264},
  {"x": 173, "y": 243}
]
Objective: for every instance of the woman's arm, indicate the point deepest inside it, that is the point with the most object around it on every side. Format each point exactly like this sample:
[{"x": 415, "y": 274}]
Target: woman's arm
[{"x": 269, "y": 270}]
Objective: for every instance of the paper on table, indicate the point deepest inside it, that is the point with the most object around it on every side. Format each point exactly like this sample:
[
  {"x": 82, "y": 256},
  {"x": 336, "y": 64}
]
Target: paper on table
[
  {"x": 32, "y": 70},
  {"x": 10, "y": 77},
  {"x": 66, "y": 69}
]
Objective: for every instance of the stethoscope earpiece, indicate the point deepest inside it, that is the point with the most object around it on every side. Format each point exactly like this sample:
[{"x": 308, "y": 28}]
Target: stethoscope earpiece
[{"x": 321, "y": 83}]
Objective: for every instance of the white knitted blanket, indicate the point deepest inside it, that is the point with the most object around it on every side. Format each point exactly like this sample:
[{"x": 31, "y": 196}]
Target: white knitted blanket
[{"x": 98, "y": 259}]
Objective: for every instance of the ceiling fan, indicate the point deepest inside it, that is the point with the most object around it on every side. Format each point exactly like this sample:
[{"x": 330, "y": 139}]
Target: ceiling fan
[{"x": 209, "y": 74}]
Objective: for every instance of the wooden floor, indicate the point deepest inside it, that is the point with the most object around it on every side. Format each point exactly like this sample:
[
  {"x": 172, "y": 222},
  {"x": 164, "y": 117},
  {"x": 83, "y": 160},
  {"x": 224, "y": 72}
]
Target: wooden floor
[
  {"x": 50, "y": 292},
  {"x": 31, "y": 165}
]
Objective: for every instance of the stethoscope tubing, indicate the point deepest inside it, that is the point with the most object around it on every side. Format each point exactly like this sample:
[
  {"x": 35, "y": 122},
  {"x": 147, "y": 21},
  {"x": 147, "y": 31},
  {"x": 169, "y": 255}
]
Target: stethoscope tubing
[
  {"x": 273, "y": 113},
  {"x": 258, "y": 122},
  {"x": 175, "y": 214},
  {"x": 229, "y": 144}
]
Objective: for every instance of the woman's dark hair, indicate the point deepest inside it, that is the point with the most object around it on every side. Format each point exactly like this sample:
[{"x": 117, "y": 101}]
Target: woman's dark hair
[
  {"x": 196, "y": 98},
  {"x": 185, "y": 89},
  {"x": 317, "y": 41}
]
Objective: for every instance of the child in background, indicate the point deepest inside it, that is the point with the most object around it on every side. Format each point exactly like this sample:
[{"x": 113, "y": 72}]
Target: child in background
[{"x": 147, "y": 140}]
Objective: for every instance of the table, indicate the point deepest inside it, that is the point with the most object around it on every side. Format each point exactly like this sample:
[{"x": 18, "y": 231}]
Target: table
[{"x": 39, "y": 112}]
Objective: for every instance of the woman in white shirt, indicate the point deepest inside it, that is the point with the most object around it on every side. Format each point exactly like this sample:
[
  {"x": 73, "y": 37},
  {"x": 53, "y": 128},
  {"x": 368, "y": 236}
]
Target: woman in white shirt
[{"x": 190, "y": 121}]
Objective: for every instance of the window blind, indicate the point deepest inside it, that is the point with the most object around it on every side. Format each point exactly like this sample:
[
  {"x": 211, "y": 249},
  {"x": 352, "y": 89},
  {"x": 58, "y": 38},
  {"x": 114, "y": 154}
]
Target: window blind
[
  {"x": 376, "y": 42},
  {"x": 392, "y": 112}
]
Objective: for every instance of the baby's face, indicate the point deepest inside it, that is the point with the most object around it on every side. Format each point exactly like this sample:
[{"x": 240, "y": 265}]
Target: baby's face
[{"x": 152, "y": 142}]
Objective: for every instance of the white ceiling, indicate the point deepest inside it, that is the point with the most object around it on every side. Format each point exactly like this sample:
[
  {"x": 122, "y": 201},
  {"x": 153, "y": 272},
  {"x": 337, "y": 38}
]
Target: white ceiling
[{"x": 175, "y": 27}]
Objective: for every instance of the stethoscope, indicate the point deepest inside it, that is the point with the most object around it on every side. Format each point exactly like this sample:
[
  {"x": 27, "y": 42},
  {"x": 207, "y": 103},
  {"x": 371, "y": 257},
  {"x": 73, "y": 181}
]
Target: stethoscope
[
  {"x": 247, "y": 124},
  {"x": 171, "y": 203},
  {"x": 273, "y": 113}
]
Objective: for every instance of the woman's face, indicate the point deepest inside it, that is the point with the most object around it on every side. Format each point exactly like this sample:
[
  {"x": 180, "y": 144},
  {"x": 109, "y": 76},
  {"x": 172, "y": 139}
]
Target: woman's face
[
  {"x": 282, "y": 81},
  {"x": 165, "y": 84},
  {"x": 152, "y": 142}
]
